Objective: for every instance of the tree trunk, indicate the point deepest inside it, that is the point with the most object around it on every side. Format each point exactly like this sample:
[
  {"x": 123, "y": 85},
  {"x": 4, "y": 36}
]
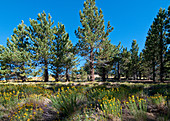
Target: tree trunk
[
  {"x": 67, "y": 75},
  {"x": 23, "y": 78},
  {"x": 140, "y": 75},
  {"x": 57, "y": 77},
  {"x": 153, "y": 69},
  {"x": 161, "y": 58},
  {"x": 134, "y": 74},
  {"x": 92, "y": 65},
  {"x": 103, "y": 74},
  {"x": 118, "y": 70},
  {"x": 127, "y": 76},
  {"x": 46, "y": 71}
]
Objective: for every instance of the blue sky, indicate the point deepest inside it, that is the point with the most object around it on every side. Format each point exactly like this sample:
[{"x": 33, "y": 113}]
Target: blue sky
[{"x": 131, "y": 19}]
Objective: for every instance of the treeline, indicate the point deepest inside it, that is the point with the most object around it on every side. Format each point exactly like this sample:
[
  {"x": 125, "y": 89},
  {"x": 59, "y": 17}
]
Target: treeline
[{"x": 45, "y": 48}]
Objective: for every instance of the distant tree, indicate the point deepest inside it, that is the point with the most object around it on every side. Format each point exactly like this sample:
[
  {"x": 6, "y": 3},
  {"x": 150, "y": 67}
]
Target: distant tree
[
  {"x": 41, "y": 35},
  {"x": 70, "y": 59},
  {"x": 70, "y": 62},
  {"x": 125, "y": 62},
  {"x": 121, "y": 61},
  {"x": 83, "y": 74},
  {"x": 141, "y": 67},
  {"x": 104, "y": 59},
  {"x": 74, "y": 75},
  {"x": 116, "y": 59},
  {"x": 63, "y": 57},
  {"x": 134, "y": 59},
  {"x": 87, "y": 69},
  {"x": 147, "y": 66},
  {"x": 92, "y": 32}
]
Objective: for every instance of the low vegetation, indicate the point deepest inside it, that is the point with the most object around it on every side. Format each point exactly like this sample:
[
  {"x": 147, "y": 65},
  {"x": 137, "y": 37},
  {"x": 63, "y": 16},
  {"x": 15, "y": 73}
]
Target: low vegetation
[{"x": 85, "y": 101}]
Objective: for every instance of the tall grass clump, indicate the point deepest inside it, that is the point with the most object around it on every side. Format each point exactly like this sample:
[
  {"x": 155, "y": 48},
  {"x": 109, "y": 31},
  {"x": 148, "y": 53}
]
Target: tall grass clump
[
  {"x": 111, "y": 108},
  {"x": 158, "y": 100},
  {"x": 137, "y": 107},
  {"x": 67, "y": 101}
]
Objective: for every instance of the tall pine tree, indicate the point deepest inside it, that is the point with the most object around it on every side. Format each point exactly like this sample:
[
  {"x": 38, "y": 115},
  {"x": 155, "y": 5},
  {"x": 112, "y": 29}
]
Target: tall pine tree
[
  {"x": 41, "y": 34},
  {"x": 156, "y": 45},
  {"x": 160, "y": 19},
  {"x": 150, "y": 51},
  {"x": 17, "y": 54},
  {"x": 92, "y": 32},
  {"x": 167, "y": 41}
]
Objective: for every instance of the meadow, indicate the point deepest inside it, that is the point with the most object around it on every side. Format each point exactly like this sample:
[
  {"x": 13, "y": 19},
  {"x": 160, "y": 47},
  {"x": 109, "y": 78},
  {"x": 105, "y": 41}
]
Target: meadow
[{"x": 84, "y": 101}]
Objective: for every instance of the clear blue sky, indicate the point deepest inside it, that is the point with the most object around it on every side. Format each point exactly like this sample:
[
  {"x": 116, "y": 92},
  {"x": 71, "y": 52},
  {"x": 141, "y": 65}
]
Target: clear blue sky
[{"x": 131, "y": 19}]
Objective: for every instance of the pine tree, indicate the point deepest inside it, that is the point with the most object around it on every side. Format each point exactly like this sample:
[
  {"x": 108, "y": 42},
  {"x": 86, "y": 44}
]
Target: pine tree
[
  {"x": 41, "y": 34},
  {"x": 117, "y": 59},
  {"x": 57, "y": 51},
  {"x": 87, "y": 69},
  {"x": 167, "y": 41},
  {"x": 1, "y": 75},
  {"x": 70, "y": 59},
  {"x": 160, "y": 19},
  {"x": 4, "y": 62},
  {"x": 105, "y": 59},
  {"x": 147, "y": 66},
  {"x": 74, "y": 75},
  {"x": 92, "y": 32},
  {"x": 167, "y": 26},
  {"x": 1, "y": 61},
  {"x": 134, "y": 59},
  {"x": 150, "y": 51},
  {"x": 69, "y": 63},
  {"x": 141, "y": 67},
  {"x": 63, "y": 57},
  {"x": 156, "y": 45},
  {"x": 83, "y": 74},
  {"x": 18, "y": 55},
  {"x": 125, "y": 63}
]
